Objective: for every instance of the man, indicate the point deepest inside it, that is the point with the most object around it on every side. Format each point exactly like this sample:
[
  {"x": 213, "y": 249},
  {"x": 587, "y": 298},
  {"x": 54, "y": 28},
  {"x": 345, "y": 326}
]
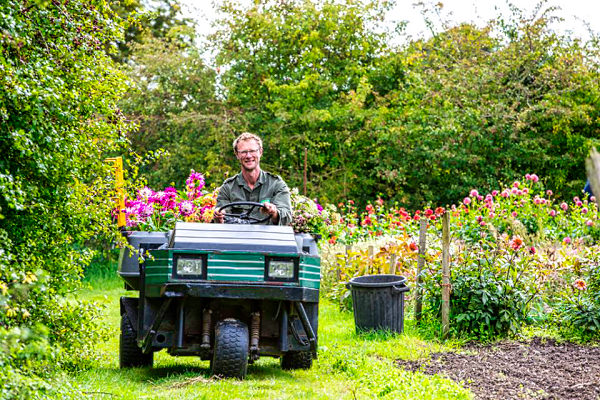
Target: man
[{"x": 254, "y": 184}]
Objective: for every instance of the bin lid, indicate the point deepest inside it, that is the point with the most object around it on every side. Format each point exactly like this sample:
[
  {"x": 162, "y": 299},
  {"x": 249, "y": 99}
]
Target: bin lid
[{"x": 374, "y": 281}]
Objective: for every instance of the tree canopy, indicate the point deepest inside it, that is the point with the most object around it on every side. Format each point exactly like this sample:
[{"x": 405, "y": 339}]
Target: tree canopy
[
  {"x": 424, "y": 122},
  {"x": 418, "y": 123}
]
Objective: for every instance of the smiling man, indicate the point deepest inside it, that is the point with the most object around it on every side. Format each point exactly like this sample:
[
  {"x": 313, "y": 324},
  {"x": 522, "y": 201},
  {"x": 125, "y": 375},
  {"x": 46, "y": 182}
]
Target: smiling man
[{"x": 254, "y": 184}]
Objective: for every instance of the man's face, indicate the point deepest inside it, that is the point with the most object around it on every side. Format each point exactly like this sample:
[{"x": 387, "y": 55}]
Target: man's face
[{"x": 249, "y": 153}]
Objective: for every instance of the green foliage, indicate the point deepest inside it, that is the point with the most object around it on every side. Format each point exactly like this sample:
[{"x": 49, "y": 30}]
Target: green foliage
[
  {"x": 155, "y": 19},
  {"x": 493, "y": 286},
  {"x": 173, "y": 101},
  {"x": 579, "y": 308},
  {"x": 420, "y": 123},
  {"x": 299, "y": 72},
  {"x": 483, "y": 105},
  {"x": 26, "y": 359},
  {"x": 58, "y": 117}
]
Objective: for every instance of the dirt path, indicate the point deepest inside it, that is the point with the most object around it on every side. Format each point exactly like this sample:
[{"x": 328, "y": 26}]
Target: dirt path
[{"x": 540, "y": 369}]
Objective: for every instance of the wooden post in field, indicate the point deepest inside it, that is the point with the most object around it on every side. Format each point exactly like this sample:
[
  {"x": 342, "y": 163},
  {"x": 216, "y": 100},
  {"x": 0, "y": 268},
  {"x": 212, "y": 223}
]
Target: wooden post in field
[
  {"x": 420, "y": 265},
  {"x": 445, "y": 274},
  {"x": 393, "y": 260},
  {"x": 305, "y": 167}
]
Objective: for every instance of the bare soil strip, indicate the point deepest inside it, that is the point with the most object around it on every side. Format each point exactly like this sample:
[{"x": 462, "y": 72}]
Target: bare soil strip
[{"x": 539, "y": 369}]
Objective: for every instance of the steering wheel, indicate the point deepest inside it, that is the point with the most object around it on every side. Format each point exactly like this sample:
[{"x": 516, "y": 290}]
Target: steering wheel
[{"x": 243, "y": 217}]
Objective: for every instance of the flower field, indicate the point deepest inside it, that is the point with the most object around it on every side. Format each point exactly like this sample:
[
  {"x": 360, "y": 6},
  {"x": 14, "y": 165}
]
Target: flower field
[{"x": 519, "y": 255}]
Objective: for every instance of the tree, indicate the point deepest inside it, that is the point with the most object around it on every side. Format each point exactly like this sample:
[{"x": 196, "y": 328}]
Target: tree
[
  {"x": 300, "y": 72},
  {"x": 424, "y": 122},
  {"x": 488, "y": 105},
  {"x": 155, "y": 20},
  {"x": 174, "y": 103},
  {"x": 58, "y": 117}
]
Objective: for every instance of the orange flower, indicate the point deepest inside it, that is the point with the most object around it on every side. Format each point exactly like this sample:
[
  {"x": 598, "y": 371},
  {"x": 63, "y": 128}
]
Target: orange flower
[
  {"x": 516, "y": 243},
  {"x": 579, "y": 284}
]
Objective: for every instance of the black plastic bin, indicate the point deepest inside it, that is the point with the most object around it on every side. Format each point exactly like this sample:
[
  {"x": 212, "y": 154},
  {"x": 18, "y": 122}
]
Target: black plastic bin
[{"x": 378, "y": 302}]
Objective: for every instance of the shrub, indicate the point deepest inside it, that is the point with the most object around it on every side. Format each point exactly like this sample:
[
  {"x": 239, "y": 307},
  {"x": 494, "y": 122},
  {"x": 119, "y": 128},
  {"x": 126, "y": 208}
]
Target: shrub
[
  {"x": 493, "y": 286},
  {"x": 58, "y": 119}
]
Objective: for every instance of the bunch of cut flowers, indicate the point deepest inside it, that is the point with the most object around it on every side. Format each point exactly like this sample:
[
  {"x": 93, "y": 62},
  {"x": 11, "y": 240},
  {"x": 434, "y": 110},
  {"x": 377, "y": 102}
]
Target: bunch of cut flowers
[
  {"x": 307, "y": 215},
  {"x": 158, "y": 211}
]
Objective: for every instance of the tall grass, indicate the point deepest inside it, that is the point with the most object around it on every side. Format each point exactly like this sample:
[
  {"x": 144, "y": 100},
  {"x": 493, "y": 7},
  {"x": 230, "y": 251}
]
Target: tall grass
[{"x": 101, "y": 274}]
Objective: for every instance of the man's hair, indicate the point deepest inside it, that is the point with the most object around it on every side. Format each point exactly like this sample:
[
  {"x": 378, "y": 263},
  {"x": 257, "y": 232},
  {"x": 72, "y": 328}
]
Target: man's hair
[{"x": 246, "y": 136}]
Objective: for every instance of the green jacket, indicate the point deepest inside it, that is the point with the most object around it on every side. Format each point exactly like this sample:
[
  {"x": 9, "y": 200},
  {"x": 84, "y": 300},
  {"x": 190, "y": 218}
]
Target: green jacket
[{"x": 268, "y": 187}]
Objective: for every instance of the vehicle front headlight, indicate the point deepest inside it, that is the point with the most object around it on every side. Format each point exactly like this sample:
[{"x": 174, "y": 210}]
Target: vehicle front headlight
[
  {"x": 189, "y": 266},
  {"x": 281, "y": 269}
]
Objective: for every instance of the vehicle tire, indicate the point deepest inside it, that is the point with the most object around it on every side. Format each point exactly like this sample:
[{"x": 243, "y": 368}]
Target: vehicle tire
[
  {"x": 296, "y": 360},
  {"x": 130, "y": 355},
  {"x": 230, "y": 354}
]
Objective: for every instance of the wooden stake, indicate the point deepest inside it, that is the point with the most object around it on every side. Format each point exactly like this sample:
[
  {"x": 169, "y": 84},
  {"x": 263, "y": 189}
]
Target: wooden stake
[
  {"x": 420, "y": 265},
  {"x": 445, "y": 274},
  {"x": 393, "y": 260},
  {"x": 370, "y": 264}
]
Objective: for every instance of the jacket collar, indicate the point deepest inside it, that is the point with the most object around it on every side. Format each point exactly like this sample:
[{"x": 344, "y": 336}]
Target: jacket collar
[{"x": 242, "y": 182}]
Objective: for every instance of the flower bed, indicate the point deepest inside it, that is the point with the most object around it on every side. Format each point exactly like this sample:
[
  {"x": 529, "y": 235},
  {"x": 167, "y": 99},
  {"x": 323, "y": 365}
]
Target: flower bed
[{"x": 518, "y": 256}]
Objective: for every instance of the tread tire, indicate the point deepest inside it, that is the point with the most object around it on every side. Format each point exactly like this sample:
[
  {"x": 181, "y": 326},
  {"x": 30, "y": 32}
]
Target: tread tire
[
  {"x": 130, "y": 355},
  {"x": 230, "y": 354},
  {"x": 296, "y": 360}
]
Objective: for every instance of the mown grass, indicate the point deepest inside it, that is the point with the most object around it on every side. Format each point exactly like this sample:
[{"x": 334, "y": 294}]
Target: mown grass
[{"x": 350, "y": 366}]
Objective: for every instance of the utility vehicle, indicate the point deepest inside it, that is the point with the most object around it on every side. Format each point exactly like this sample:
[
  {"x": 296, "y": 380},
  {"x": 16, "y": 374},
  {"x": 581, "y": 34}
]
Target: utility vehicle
[{"x": 228, "y": 293}]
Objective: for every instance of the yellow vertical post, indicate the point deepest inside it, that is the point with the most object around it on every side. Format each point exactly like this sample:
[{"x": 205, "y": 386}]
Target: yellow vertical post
[{"x": 119, "y": 198}]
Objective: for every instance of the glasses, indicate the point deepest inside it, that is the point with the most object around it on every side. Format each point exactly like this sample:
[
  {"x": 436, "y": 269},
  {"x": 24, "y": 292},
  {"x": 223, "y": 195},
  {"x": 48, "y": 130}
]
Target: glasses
[{"x": 249, "y": 152}]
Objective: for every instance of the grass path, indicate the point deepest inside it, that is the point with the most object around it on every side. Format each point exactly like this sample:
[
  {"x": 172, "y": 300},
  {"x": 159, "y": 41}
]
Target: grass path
[{"x": 349, "y": 366}]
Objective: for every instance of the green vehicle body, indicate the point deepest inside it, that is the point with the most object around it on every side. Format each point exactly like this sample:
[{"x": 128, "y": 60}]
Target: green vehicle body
[{"x": 263, "y": 278}]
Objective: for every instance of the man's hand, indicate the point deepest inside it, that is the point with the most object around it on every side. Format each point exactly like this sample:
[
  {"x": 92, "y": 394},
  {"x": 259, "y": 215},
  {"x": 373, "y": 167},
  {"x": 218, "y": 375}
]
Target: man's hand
[
  {"x": 271, "y": 209},
  {"x": 218, "y": 217}
]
